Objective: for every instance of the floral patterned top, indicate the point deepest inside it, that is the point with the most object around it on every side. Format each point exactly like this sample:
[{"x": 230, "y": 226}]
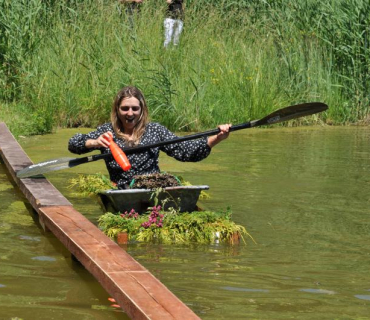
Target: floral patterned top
[{"x": 144, "y": 162}]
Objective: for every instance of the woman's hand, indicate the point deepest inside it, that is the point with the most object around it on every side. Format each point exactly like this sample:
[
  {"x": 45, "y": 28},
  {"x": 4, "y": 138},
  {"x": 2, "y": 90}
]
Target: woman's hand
[
  {"x": 224, "y": 131},
  {"x": 100, "y": 142},
  {"x": 222, "y": 135}
]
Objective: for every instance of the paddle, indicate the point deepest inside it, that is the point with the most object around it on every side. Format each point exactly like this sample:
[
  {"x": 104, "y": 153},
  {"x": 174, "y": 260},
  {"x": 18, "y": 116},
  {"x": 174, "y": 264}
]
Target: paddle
[{"x": 281, "y": 115}]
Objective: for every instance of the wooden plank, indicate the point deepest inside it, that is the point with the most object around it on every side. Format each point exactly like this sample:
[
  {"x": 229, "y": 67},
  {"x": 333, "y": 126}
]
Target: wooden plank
[
  {"x": 38, "y": 191},
  {"x": 133, "y": 286},
  {"x": 135, "y": 289}
]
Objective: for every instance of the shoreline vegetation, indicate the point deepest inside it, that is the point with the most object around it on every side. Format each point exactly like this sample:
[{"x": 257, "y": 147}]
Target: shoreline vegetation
[{"x": 62, "y": 62}]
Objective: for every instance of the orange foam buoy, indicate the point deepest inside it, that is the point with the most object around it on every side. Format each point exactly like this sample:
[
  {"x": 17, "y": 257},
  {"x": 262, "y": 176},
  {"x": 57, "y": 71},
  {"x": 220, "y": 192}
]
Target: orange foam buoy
[
  {"x": 119, "y": 155},
  {"x": 122, "y": 238}
]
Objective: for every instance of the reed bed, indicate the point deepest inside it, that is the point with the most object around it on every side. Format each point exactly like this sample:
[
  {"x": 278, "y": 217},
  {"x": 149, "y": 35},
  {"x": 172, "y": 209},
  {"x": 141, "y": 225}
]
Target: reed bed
[{"x": 62, "y": 62}]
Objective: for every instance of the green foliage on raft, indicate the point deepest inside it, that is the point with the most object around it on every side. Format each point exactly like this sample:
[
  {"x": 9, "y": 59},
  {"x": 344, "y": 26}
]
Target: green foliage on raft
[
  {"x": 174, "y": 227},
  {"x": 204, "y": 195},
  {"x": 91, "y": 184}
]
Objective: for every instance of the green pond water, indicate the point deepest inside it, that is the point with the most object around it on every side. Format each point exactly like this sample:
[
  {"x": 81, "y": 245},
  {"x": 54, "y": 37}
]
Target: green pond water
[{"x": 303, "y": 194}]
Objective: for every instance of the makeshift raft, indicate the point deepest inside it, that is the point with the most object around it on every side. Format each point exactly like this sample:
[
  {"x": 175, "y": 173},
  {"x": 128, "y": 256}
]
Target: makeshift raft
[
  {"x": 184, "y": 198},
  {"x": 135, "y": 289}
]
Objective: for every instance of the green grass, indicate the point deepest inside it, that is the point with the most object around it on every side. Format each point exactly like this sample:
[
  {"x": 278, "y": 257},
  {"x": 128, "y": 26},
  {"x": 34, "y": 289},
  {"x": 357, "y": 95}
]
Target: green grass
[{"x": 63, "y": 62}]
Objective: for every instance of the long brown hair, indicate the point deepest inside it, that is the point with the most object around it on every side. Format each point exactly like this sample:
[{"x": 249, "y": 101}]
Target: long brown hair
[{"x": 129, "y": 92}]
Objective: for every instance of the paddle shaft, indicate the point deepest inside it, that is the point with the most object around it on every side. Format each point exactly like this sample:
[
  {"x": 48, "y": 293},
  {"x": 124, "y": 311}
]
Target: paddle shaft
[{"x": 131, "y": 150}]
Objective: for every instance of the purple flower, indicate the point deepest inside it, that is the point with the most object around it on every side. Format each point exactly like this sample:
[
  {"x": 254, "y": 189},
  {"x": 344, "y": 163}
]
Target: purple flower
[
  {"x": 155, "y": 219},
  {"x": 131, "y": 214}
]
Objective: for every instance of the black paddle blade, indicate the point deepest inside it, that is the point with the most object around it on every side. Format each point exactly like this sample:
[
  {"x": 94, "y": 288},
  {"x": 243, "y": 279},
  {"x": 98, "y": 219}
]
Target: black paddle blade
[{"x": 292, "y": 112}]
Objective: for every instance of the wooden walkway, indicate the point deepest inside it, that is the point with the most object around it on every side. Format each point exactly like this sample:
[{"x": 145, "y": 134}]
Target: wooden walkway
[{"x": 135, "y": 289}]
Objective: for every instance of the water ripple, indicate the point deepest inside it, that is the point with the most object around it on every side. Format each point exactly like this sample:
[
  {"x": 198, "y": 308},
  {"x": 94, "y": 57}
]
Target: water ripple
[
  {"x": 310, "y": 290},
  {"x": 244, "y": 289},
  {"x": 44, "y": 258},
  {"x": 362, "y": 296}
]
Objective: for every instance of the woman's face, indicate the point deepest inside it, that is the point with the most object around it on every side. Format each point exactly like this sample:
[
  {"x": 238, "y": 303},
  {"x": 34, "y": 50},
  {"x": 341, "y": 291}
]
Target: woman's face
[{"x": 129, "y": 113}]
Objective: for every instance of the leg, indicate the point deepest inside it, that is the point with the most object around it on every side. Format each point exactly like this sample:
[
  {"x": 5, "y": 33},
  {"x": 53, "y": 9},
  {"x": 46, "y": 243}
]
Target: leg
[
  {"x": 168, "y": 31},
  {"x": 178, "y": 29}
]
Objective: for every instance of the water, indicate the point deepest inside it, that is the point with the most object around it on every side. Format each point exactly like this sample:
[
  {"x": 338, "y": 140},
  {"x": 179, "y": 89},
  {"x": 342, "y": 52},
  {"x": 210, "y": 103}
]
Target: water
[{"x": 301, "y": 192}]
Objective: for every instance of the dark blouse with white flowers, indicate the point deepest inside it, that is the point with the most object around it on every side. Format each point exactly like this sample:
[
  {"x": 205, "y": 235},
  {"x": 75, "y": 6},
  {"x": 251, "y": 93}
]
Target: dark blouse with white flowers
[{"x": 145, "y": 162}]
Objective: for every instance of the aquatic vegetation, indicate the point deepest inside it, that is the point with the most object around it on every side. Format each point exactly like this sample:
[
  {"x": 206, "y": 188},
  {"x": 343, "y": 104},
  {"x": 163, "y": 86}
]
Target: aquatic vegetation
[
  {"x": 17, "y": 214},
  {"x": 4, "y": 182},
  {"x": 91, "y": 184},
  {"x": 4, "y": 187},
  {"x": 171, "y": 226}
]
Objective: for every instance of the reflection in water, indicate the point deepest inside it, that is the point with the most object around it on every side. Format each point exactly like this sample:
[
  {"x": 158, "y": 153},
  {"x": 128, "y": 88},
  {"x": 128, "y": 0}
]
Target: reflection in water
[
  {"x": 244, "y": 289},
  {"x": 318, "y": 291},
  {"x": 44, "y": 258},
  {"x": 23, "y": 237},
  {"x": 303, "y": 194},
  {"x": 363, "y": 297}
]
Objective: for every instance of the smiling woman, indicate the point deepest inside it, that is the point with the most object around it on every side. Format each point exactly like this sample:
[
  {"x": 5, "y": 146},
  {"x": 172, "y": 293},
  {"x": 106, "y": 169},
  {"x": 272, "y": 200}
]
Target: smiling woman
[{"x": 130, "y": 126}]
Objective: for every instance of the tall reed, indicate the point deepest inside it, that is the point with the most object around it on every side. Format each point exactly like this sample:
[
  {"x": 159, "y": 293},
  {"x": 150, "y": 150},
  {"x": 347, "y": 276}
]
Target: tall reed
[{"x": 237, "y": 60}]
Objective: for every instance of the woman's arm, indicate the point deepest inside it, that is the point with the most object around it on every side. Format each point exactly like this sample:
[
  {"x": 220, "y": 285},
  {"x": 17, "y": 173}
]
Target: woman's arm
[
  {"x": 191, "y": 150},
  {"x": 216, "y": 139},
  {"x": 83, "y": 143}
]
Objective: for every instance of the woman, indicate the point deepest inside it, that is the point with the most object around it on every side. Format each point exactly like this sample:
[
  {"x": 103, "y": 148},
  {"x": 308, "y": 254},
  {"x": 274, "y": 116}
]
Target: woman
[{"x": 130, "y": 126}]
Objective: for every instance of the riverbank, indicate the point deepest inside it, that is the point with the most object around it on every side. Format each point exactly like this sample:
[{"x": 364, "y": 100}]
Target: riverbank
[{"x": 64, "y": 62}]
